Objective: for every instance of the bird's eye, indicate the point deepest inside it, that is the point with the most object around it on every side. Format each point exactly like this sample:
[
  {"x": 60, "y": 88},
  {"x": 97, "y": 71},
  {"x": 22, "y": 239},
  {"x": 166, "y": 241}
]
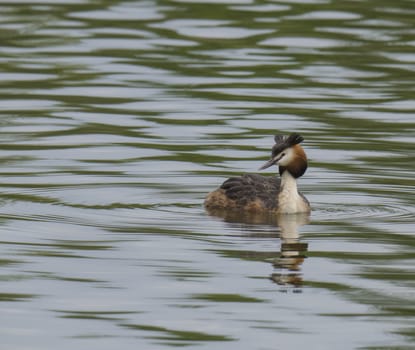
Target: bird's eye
[{"x": 282, "y": 154}]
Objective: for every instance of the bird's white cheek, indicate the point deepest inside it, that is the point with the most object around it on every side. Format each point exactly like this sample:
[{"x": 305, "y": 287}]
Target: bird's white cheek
[
  {"x": 283, "y": 161},
  {"x": 287, "y": 158}
]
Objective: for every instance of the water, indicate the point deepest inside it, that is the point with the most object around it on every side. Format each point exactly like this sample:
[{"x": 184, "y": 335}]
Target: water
[{"x": 118, "y": 117}]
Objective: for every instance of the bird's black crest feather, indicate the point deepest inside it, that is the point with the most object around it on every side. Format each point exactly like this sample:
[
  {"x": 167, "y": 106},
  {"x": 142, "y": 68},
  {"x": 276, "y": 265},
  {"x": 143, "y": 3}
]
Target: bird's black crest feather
[
  {"x": 294, "y": 139},
  {"x": 283, "y": 142}
]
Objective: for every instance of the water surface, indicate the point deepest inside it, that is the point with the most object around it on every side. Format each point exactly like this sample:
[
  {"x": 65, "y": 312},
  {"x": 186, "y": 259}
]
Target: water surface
[{"x": 118, "y": 117}]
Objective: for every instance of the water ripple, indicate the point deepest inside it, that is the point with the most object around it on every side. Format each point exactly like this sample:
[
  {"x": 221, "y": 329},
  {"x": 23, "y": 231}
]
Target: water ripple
[{"x": 355, "y": 212}]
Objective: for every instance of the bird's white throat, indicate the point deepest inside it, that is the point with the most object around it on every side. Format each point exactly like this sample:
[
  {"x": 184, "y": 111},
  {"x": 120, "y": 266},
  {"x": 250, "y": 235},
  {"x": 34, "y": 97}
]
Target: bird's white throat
[{"x": 289, "y": 200}]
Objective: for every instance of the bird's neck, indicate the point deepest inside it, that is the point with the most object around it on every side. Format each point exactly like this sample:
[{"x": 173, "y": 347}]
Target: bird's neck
[
  {"x": 288, "y": 183},
  {"x": 289, "y": 200}
]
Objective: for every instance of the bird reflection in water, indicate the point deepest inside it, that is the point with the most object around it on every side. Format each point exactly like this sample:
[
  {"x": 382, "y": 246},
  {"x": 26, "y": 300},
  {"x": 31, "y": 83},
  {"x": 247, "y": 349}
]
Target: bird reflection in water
[{"x": 292, "y": 253}]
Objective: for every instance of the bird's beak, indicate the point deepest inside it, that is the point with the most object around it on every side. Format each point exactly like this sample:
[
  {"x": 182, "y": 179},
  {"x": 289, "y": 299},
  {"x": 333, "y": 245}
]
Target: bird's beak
[{"x": 271, "y": 162}]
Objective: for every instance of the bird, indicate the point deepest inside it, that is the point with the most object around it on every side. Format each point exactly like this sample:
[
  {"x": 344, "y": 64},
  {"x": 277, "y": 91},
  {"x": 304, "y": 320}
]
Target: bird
[{"x": 254, "y": 193}]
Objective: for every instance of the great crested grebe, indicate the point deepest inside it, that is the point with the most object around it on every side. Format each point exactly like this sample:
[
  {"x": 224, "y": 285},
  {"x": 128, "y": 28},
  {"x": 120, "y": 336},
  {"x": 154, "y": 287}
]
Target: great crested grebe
[{"x": 258, "y": 194}]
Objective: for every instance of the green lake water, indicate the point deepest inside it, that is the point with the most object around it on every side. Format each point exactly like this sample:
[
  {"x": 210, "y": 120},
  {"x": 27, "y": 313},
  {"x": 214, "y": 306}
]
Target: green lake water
[{"x": 118, "y": 117}]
